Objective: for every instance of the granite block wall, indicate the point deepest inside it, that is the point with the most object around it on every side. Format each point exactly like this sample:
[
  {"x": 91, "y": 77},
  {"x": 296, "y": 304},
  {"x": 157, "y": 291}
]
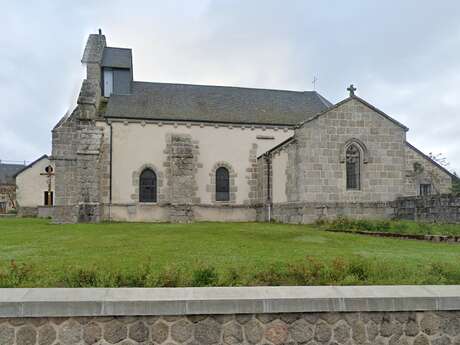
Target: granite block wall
[
  {"x": 76, "y": 154},
  {"x": 310, "y": 212},
  {"x": 420, "y": 169},
  {"x": 389, "y": 328},
  {"x": 320, "y": 149},
  {"x": 443, "y": 208}
]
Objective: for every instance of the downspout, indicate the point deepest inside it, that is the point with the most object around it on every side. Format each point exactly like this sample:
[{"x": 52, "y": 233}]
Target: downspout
[
  {"x": 269, "y": 208},
  {"x": 110, "y": 170}
]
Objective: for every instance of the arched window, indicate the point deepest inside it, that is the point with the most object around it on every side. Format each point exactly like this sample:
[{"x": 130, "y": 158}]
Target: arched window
[
  {"x": 353, "y": 162},
  {"x": 148, "y": 186},
  {"x": 222, "y": 184}
]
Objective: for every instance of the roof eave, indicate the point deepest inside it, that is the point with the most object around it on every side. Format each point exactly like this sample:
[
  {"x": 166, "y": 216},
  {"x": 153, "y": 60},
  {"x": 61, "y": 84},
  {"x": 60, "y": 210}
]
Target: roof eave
[
  {"x": 30, "y": 165},
  {"x": 431, "y": 160},
  {"x": 248, "y": 124},
  {"x": 281, "y": 144}
]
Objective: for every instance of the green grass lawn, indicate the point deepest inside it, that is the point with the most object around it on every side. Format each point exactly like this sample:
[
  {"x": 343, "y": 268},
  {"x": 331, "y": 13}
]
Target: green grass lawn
[
  {"x": 394, "y": 226},
  {"x": 201, "y": 254}
]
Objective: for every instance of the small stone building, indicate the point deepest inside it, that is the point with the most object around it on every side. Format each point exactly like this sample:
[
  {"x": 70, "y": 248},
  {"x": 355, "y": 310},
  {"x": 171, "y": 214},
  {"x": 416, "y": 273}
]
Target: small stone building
[
  {"x": 35, "y": 188},
  {"x": 145, "y": 151}
]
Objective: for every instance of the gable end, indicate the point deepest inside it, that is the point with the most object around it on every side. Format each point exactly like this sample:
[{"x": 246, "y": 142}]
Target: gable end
[{"x": 370, "y": 106}]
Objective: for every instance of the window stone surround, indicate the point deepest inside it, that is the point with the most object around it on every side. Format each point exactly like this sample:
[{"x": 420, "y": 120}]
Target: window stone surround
[
  {"x": 211, "y": 188},
  {"x": 360, "y": 145},
  {"x": 161, "y": 197}
]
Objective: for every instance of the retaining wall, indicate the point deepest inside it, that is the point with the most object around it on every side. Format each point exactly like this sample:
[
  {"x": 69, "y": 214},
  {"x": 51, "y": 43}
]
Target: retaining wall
[
  {"x": 443, "y": 208},
  {"x": 415, "y": 315},
  {"x": 309, "y": 212},
  {"x": 27, "y": 211}
]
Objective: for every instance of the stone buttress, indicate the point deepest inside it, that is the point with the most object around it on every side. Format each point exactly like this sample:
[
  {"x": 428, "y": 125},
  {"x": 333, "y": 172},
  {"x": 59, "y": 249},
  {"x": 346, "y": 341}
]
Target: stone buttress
[{"x": 77, "y": 144}]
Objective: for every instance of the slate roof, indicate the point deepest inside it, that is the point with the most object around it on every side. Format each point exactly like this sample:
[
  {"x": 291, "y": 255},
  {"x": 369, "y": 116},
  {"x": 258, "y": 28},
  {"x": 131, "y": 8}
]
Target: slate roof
[
  {"x": 117, "y": 57},
  {"x": 223, "y": 104},
  {"x": 8, "y": 171}
]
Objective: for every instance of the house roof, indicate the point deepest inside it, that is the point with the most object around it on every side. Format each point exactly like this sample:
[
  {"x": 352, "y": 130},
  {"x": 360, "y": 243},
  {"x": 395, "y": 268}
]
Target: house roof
[
  {"x": 8, "y": 172},
  {"x": 117, "y": 57},
  {"x": 281, "y": 144},
  {"x": 354, "y": 97},
  {"x": 223, "y": 104},
  {"x": 29, "y": 165}
]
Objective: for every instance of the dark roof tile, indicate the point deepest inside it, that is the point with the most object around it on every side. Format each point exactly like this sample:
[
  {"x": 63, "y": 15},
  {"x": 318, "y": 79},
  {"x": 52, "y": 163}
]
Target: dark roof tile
[
  {"x": 182, "y": 102},
  {"x": 8, "y": 171},
  {"x": 117, "y": 57}
]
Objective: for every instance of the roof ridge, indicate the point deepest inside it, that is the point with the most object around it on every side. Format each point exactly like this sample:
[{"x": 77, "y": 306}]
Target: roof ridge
[{"x": 228, "y": 86}]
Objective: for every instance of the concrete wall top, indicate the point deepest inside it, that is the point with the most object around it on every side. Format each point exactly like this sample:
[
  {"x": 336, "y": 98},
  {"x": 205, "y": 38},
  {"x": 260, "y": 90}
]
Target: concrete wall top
[{"x": 241, "y": 300}]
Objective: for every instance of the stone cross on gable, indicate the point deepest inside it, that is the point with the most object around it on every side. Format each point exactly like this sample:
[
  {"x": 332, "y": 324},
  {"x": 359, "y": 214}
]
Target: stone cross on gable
[{"x": 352, "y": 90}]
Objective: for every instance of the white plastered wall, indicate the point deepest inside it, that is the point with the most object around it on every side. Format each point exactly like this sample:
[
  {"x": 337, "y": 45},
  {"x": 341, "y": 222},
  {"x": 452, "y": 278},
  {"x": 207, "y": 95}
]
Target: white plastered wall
[
  {"x": 31, "y": 185},
  {"x": 135, "y": 144}
]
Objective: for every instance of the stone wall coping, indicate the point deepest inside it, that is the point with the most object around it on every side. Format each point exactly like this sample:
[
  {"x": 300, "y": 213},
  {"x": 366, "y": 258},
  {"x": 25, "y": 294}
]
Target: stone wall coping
[{"x": 58, "y": 302}]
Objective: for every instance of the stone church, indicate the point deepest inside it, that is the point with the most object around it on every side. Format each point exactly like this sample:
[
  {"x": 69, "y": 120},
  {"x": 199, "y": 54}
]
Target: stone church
[{"x": 147, "y": 151}]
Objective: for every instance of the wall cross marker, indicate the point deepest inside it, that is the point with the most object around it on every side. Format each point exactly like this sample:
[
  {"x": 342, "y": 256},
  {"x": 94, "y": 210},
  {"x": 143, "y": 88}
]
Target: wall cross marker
[{"x": 352, "y": 90}]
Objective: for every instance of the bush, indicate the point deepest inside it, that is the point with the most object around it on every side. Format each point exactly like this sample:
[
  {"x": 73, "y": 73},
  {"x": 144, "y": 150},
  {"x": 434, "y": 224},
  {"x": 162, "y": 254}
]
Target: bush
[
  {"x": 347, "y": 224},
  {"x": 204, "y": 276},
  {"x": 170, "y": 276},
  {"x": 81, "y": 277},
  {"x": 15, "y": 275},
  {"x": 231, "y": 277},
  {"x": 442, "y": 274},
  {"x": 356, "y": 270},
  {"x": 274, "y": 275}
]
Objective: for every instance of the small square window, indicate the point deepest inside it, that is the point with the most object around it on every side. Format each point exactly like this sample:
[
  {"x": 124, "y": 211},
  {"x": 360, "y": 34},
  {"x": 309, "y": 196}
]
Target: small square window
[
  {"x": 48, "y": 198},
  {"x": 425, "y": 189}
]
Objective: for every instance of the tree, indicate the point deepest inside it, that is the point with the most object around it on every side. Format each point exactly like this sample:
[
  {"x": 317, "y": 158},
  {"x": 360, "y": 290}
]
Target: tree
[
  {"x": 439, "y": 158},
  {"x": 10, "y": 192}
]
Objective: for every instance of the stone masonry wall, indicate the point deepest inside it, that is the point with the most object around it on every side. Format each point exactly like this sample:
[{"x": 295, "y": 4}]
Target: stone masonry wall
[
  {"x": 64, "y": 156},
  {"x": 251, "y": 176},
  {"x": 310, "y": 212},
  {"x": 27, "y": 211},
  {"x": 419, "y": 170},
  {"x": 262, "y": 179},
  {"x": 78, "y": 150},
  {"x": 76, "y": 153},
  {"x": 390, "y": 328},
  {"x": 320, "y": 164},
  {"x": 181, "y": 168},
  {"x": 443, "y": 208}
]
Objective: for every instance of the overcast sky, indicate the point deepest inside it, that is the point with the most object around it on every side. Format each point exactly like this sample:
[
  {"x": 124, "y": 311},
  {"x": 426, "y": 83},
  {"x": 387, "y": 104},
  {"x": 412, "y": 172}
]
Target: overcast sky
[{"x": 403, "y": 55}]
